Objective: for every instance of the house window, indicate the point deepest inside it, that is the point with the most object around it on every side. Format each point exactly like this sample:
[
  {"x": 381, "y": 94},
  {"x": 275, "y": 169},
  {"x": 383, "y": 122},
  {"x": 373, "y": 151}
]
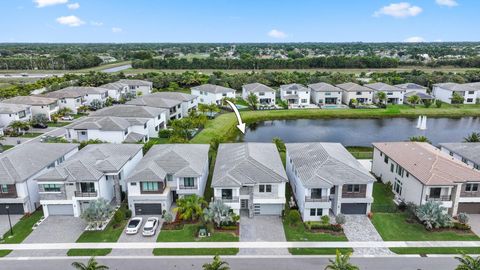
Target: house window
[
  {"x": 316, "y": 212},
  {"x": 400, "y": 170},
  {"x": 126, "y": 132},
  {"x": 359, "y": 93},
  {"x": 169, "y": 177},
  {"x": 469, "y": 100},
  {"x": 332, "y": 190},
  {"x": 133, "y": 183},
  {"x": 149, "y": 186},
  {"x": 51, "y": 187},
  {"x": 471, "y": 187},
  {"x": 289, "y": 92},
  {"x": 145, "y": 126},
  {"x": 392, "y": 167},
  {"x": 328, "y": 94},
  {"x": 261, "y": 94},
  {"x": 385, "y": 159},
  {"x": 451, "y": 153},
  {"x": 397, "y": 187},
  {"x": 353, "y": 188},
  {"x": 188, "y": 181},
  {"x": 21, "y": 114},
  {"x": 304, "y": 100},
  {"x": 316, "y": 193},
  {"x": 87, "y": 187},
  {"x": 227, "y": 194},
  {"x": 4, "y": 188},
  {"x": 265, "y": 188},
  {"x": 471, "y": 92}
]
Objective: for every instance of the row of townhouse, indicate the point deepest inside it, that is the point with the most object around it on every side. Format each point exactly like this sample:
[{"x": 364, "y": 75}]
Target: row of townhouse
[{"x": 446, "y": 91}]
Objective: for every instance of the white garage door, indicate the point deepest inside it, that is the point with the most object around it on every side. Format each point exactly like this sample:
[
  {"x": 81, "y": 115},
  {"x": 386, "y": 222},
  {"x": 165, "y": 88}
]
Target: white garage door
[
  {"x": 60, "y": 210},
  {"x": 268, "y": 209}
]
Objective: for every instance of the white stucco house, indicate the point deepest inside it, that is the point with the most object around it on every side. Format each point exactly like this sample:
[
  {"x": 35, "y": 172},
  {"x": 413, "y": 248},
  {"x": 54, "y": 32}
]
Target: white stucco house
[
  {"x": 296, "y": 95},
  {"x": 250, "y": 178},
  {"x": 412, "y": 89},
  {"x": 325, "y": 178},
  {"x": 361, "y": 94},
  {"x": 394, "y": 94},
  {"x": 138, "y": 87},
  {"x": 167, "y": 172},
  {"x": 212, "y": 94},
  {"x": 265, "y": 94},
  {"x": 68, "y": 98},
  {"x": 20, "y": 166},
  {"x": 325, "y": 94},
  {"x": 468, "y": 153},
  {"x": 177, "y": 104},
  {"x": 420, "y": 172},
  {"x": 96, "y": 171},
  {"x": 38, "y": 104},
  {"x": 14, "y": 112},
  {"x": 445, "y": 91},
  {"x": 116, "y": 90}
]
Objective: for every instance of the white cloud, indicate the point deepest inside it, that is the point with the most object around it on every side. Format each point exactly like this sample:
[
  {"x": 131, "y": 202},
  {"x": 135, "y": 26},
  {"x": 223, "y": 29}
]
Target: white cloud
[
  {"x": 94, "y": 23},
  {"x": 116, "y": 29},
  {"x": 46, "y": 3},
  {"x": 399, "y": 10},
  {"x": 414, "y": 39},
  {"x": 448, "y": 3},
  {"x": 274, "y": 33},
  {"x": 73, "y": 6},
  {"x": 70, "y": 20}
]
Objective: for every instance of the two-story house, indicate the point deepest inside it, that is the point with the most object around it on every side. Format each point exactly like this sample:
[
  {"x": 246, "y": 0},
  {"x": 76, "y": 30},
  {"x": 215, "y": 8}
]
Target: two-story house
[
  {"x": 445, "y": 92},
  {"x": 20, "y": 166},
  {"x": 212, "y": 94},
  {"x": 250, "y": 178},
  {"x": 69, "y": 98},
  {"x": 138, "y": 87},
  {"x": 175, "y": 108},
  {"x": 353, "y": 91},
  {"x": 14, "y": 112},
  {"x": 325, "y": 94},
  {"x": 420, "y": 172},
  {"x": 468, "y": 153},
  {"x": 265, "y": 95},
  {"x": 189, "y": 102},
  {"x": 154, "y": 118},
  {"x": 96, "y": 171},
  {"x": 394, "y": 94},
  {"x": 116, "y": 90},
  {"x": 296, "y": 95},
  {"x": 413, "y": 89},
  {"x": 38, "y": 104},
  {"x": 167, "y": 171},
  {"x": 326, "y": 178}
]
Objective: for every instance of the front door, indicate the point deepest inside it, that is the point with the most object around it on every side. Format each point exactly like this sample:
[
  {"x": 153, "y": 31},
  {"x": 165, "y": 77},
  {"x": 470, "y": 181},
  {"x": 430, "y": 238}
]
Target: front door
[{"x": 244, "y": 204}]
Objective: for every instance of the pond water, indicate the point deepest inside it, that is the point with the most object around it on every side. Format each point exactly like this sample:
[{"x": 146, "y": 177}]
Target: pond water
[{"x": 361, "y": 132}]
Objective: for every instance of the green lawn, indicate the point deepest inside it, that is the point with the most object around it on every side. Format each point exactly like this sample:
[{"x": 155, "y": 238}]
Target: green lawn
[
  {"x": 300, "y": 233},
  {"x": 383, "y": 199},
  {"x": 158, "y": 140},
  {"x": 194, "y": 251},
  {"x": 30, "y": 135},
  {"x": 22, "y": 229},
  {"x": 110, "y": 234},
  {"x": 361, "y": 152},
  {"x": 318, "y": 251},
  {"x": 6, "y": 147},
  {"x": 58, "y": 124},
  {"x": 187, "y": 234},
  {"x": 394, "y": 227},
  {"x": 89, "y": 252},
  {"x": 4, "y": 253},
  {"x": 437, "y": 250}
]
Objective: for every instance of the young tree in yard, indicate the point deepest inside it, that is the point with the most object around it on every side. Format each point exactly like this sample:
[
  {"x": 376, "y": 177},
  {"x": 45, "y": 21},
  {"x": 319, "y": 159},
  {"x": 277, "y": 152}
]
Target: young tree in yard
[
  {"x": 341, "y": 262},
  {"x": 96, "y": 105},
  {"x": 97, "y": 212},
  {"x": 190, "y": 207},
  {"x": 414, "y": 100},
  {"x": 92, "y": 264},
  {"x": 182, "y": 129},
  {"x": 427, "y": 103},
  {"x": 218, "y": 213},
  {"x": 64, "y": 111},
  {"x": 382, "y": 97},
  {"x": 20, "y": 126},
  {"x": 457, "y": 98},
  {"x": 217, "y": 264},
  {"x": 438, "y": 103},
  {"x": 252, "y": 101},
  {"x": 39, "y": 119},
  {"x": 433, "y": 215},
  {"x": 474, "y": 137},
  {"x": 211, "y": 108},
  {"x": 468, "y": 262}
]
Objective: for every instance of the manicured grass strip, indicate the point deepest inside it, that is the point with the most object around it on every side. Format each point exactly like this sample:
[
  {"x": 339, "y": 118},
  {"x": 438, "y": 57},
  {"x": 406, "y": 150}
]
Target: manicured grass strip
[
  {"x": 361, "y": 152},
  {"x": 394, "y": 227},
  {"x": 187, "y": 234},
  {"x": 110, "y": 234},
  {"x": 22, "y": 229},
  {"x": 299, "y": 233},
  {"x": 194, "y": 251},
  {"x": 58, "y": 124},
  {"x": 437, "y": 250},
  {"x": 383, "y": 199},
  {"x": 4, "y": 253},
  {"x": 30, "y": 135},
  {"x": 318, "y": 251},
  {"x": 89, "y": 252}
]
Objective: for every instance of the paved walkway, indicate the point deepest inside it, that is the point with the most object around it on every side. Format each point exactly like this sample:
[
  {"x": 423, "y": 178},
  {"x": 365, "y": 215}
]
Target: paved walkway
[
  {"x": 261, "y": 229},
  {"x": 5, "y": 225},
  {"x": 358, "y": 228}
]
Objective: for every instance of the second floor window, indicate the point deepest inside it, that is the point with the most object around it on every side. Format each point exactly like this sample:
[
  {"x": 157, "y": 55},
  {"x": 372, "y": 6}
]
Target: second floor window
[
  {"x": 22, "y": 114},
  {"x": 4, "y": 188},
  {"x": 189, "y": 182},
  {"x": 265, "y": 188},
  {"x": 169, "y": 177},
  {"x": 51, "y": 187},
  {"x": 471, "y": 187},
  {"x": 353, "y": 188},
  {"x": 149, "y": 186},
  {"x": 227, "y": 194},
  {"x": 87, "y": 187}
]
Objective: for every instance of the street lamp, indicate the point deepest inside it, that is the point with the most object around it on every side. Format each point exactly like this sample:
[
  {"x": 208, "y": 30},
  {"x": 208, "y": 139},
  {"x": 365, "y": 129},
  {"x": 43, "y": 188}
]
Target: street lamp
[{"x": 7, "y": 207}]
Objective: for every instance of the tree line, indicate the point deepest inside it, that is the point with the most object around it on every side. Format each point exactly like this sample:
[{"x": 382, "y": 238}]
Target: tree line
[{"x": 61, "y": 62}]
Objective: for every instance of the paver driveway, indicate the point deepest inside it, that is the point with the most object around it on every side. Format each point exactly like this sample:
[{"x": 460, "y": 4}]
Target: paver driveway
[
  {"x": 474, "y": 222},
  {"x": 262, "y": 228},
  {"x": 4, "y": 225},
  {"x": 358, "y": 228}
]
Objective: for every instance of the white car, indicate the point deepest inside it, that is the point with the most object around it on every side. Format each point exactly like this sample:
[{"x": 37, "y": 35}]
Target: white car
[
  {"x": 67, "y": 118},
  {"x": 150, "y": 227},
  {"x": 134, "y": 225}
]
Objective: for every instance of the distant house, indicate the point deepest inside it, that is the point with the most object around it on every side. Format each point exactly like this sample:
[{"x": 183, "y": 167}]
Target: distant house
[
  {"x": 212, "y": 94},
  {"x": 412, "y": 87},
  {"x": 250, "y": 178},
  {"x": 468, "y": 153},
  {"x": 116, "y": 90},
  {"x": 109, "y": 129},
  {"x": 325, "y": 94},
  {"x": 138, "y": 87},
  {"x": 361, "y": 94},
  {"x": 39, "y": 105},
  {"x": 326, "y": 177},
  {"x": 445, "y": 91},
  {"x": 90, "y": 174},
  {"x": 73, "y": 97},
  {"x": 14, "y": 112},
  {"x": 167, "y": 171},
  {"x": 394, "y": 94},
  {"x": 420, "y": 172},
  {"x": 295, "y": 94},
  {"x": 265, "y": 95},
  {"x": 177, "y": 104},
  {"x": 19, "y": 168},
  {"x": 155, "y": 118}
]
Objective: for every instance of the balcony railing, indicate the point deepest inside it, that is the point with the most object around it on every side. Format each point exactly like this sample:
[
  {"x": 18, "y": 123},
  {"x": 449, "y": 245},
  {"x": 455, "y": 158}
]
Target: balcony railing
[
  {"x": 442, "y": 198},
  {"x": 228, "y": 200},
  {"x": 8, "y": 195},
  {"x": 317, "y": 199},
  {"x": 86, "y": 194},
  {"x": 470, "y": 194},
  {"x": 187, "y": 187}
]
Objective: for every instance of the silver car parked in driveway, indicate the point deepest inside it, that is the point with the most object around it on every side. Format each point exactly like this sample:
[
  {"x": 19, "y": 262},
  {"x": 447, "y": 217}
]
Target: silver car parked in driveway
[{"x": 150, "y": 227}]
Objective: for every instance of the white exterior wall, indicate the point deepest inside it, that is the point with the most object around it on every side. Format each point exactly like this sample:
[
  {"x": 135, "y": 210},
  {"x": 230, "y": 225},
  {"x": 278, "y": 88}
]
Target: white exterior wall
[
  {"x": 399, "y": 95},
  {"x": 460, "y": 158},
  {"x": 303, "y": 96},
  {"x": 45, "y": 110},
  {"x": 442, "y": 94},
  {"x": 260, "y": 95},
  {"x": 134, "y": 196},
  {"x": 91, "y": 97},
  {"x": 235, "y": 206},
  {"x": 92, "y": 134},
  {"x": 347, "y": 96},
  {"x": 6, "y": 119},
  {"x": 71, "y": 103},
  {"x": 319, "y": 97},
  {"x": 209, "y": 98}
]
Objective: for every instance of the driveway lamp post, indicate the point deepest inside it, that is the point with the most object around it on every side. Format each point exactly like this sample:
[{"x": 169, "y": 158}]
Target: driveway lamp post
[{"x": 7, "y": 207}]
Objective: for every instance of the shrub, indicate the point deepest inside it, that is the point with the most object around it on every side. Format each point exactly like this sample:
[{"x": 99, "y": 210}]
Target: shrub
[
  {"x": 165, "y": 133},
  {"x": 321, "y": 226},
  {"x": 294, "y": 217},
  {"x": 433, "y": 215},
  {"x": 168, "y": 217},
  {"x": 461, "y": 226},
  {"x": 402, "y": 206},
  {"x": 340, "y": 219},
  {"x": 438, "y": 103},
  {"x": 128, "y": 213},
  {"x": 325, "y": 219},
  {"x": 119, "y": 216},
  {"x": 463, "y": 218}
]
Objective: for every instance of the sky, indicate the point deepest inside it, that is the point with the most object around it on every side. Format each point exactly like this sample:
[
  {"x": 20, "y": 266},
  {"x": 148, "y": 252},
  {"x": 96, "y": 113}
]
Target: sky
[{"x": 239, "y": 20}]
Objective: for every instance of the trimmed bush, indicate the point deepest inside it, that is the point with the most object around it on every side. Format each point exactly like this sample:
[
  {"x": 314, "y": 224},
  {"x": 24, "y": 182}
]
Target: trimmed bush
[
  {"x": 294, "y": 217},
  {"x": 320, "y": 226},
  {"x": 340, "y": 219},
  {"x": 463, "y": 218},
  {"x": 461, "y": 226},
  {"x": 165, "y": 133},
  {"x": 119, "y": 216},
  {"x": 325, "y": 219},
  {"x": 128, "y": 213}
]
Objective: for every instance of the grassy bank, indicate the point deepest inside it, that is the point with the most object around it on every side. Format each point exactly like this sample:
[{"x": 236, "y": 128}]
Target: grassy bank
[
  {"x": 194, "y": 251},
  {"x": 4, "y": 253}
]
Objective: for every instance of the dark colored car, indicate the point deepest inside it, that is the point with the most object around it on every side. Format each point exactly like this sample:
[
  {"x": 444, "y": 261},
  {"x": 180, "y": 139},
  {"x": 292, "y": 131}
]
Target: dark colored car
[{"x": 40, "y": 125}]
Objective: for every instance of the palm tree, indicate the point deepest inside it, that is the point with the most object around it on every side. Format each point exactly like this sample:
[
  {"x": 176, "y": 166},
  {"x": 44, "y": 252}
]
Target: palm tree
[
  {"x": 474, "y": 137},
  {"x": 217, "y": 264},
  {"x": 382, "y": 97},
  {"x": 468, "y": 263},
  {"x": 419, "y": 139},
  {"x": 341, "y": 262},
  {"x": 190, "y": 207},
  {"x": 92, "y": 264},
  {"x": 20, "y": 126},
  {"x": 252, "y": 101},
  {"x": 414, "y": 100}
]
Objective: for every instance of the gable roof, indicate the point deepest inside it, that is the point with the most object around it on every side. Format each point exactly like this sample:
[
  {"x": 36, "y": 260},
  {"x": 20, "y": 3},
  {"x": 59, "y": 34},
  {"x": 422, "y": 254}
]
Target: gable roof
[
  {"x": 211, "y": 88},
  {"x": 324, "y": 87},
  {"x": 104, "y": 123},
  {"x": 411, "y": 86},
  {"x": 257, "y": 87},
  {"x": 241, "y": 164},
  {"x": 380, "y": 86},
  {"x": 428, "y": 164},
  {"x": 92, "y": 162},
  {"x": 179, "y": 160},
  {"x": 175, "y": 96},
  {"x": 154, "y": 100},
  {"x": 323, "y": 165},
  {"x": 135, "y": 82},
  {"x": 475, "y": 85},
  {"x": 7, "y": 108},
  {"x": 31, "y": 100},
  {"x": 455, "y": 86},
  {"x": 129, "y": 111},
  {"x": 114, "y": 86},
  {"x": 293, "y": 87},
  {"x": 75, "y": 91},
  {"x": 24, "y": 161},
  {"x": 470, "y": 151},
  {"x": 353, "y": 87}
]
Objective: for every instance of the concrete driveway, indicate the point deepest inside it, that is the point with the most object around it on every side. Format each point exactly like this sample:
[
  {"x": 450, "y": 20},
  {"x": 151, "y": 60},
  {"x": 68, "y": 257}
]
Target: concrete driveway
[
  {"x": 358, "y": 228},
  {"x": 262, "y": 228},
  {"x": 4, "y": 225},
  {"x": 474, "y": 222}
]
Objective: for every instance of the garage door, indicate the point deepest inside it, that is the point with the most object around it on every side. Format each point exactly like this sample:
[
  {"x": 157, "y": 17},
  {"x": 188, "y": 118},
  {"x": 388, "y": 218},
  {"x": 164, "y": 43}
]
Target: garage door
[
  {"x": 354, "y": 208},
  {"x": 469, "y": 208},
  {"x": 268, "y": 209},
  {"x": 148, "y": 209},
  {"x": 60, "y": 210},
  {"x": 13, "y": 208}
]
